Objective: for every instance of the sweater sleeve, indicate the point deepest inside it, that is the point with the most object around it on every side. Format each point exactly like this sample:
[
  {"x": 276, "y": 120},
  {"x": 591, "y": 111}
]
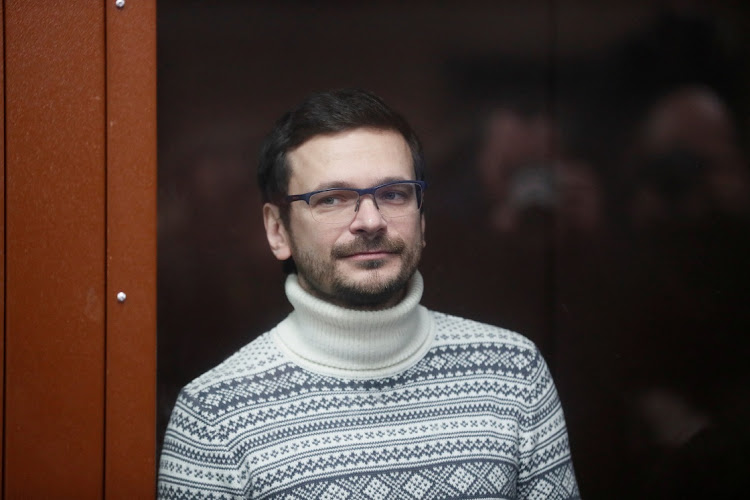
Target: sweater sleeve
[
  {"x": 195, "y": 460},
  {"x": 546, "y": 469}
]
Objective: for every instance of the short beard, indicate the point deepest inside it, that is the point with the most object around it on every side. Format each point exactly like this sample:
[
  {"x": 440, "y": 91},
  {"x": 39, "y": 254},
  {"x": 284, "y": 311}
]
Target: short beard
[{"x": 372, "y": 294}]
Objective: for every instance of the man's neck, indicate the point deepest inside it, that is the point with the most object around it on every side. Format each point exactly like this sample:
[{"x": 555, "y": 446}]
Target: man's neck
[{"x": 343, "y": 342}]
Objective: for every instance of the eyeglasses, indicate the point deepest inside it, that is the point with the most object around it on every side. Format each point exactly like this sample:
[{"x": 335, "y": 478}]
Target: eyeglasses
[{"x": 339, "y": 205}]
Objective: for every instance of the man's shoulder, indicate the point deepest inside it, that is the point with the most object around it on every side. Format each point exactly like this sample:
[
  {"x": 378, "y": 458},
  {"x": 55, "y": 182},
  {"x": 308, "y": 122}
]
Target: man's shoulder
[
  {"x": 258, "y": 359},
  {"x": 464, "y": 346},
  {"x": 452, "y": 329}
]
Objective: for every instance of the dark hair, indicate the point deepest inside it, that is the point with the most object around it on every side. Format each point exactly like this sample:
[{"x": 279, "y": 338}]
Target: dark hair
[{"x": 327, "y": 113}]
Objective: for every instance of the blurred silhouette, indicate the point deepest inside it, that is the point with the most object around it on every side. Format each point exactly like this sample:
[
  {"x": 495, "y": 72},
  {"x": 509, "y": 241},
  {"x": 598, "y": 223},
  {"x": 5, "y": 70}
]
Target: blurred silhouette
[
  {"x": 687, "y": 162},
  {"x": 681, "y": 192},
  {"x": 688, "y": 223},
  {"x": 522, "y": 172}
]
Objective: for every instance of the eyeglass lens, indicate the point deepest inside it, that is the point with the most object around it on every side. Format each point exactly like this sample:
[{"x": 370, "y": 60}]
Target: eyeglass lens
[{"x": 393, "y": 200}]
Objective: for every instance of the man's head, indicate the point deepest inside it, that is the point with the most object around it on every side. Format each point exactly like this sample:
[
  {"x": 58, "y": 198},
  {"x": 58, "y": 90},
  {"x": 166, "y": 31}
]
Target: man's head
[
  {"x": 344, "y": 139},
  {"x": 327, "y": 113}
]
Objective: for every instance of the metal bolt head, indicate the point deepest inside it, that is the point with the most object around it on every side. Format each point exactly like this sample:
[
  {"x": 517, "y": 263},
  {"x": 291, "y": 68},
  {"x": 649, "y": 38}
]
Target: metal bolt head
[
  {"x": 121, "y": 296},
  {"x": 120, "y": 4}
]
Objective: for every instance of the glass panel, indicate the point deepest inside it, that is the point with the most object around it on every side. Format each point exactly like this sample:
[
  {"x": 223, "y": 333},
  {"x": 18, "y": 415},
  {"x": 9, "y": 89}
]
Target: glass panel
[{"x": 589, "y": 188}]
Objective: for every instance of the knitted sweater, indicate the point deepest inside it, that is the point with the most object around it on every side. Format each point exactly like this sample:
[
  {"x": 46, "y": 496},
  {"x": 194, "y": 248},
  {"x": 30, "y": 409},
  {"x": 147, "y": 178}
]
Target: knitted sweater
[{"x": 403, "y": 403}]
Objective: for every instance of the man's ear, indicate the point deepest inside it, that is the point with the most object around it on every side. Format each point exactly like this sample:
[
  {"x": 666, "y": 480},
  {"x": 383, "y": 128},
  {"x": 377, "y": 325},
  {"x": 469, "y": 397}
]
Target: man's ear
[
  {"x": 278, "y": 238},
  {"x": 424, "y": 241}
]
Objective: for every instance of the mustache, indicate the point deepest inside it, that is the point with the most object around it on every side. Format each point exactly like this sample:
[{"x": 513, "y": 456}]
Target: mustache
[{"x": 362, "y": 245}]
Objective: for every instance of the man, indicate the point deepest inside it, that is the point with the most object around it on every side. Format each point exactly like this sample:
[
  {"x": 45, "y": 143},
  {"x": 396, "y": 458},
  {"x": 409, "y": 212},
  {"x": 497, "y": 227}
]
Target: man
[{"x": 361, "y": 393}]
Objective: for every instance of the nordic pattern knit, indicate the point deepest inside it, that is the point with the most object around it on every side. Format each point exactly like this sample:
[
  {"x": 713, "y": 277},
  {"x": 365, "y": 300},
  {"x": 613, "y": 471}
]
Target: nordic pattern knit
[{"x": 398, "y": 404}]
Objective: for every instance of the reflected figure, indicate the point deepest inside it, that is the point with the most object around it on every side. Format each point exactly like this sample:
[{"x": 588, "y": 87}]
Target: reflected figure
[
  {"x": 523, "y": 173},
  {"x": 687, "y": 212},
  {"x": 520, "y": 201},
  {"x": 688, "y": 163}
]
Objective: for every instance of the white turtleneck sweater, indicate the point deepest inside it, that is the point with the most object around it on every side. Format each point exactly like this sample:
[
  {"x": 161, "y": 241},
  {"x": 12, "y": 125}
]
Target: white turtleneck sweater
[{"x": 403, "y": 403}]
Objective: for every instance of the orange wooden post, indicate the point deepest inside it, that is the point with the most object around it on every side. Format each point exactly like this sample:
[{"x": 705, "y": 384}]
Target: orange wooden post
[
  {"x": 130, "y": 441},
  {"x": 55, "y": 261}
]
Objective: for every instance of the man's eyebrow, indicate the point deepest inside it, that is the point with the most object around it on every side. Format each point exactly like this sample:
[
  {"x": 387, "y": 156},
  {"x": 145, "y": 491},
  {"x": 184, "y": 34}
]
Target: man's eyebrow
[
  {"x": 334, "y": 185},
  {"x": 349, "y": 185}
]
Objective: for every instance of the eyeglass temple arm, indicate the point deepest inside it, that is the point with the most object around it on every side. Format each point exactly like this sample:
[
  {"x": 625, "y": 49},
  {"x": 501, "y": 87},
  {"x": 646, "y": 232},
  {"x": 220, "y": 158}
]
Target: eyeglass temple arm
[{"x": 297, "y": 197}]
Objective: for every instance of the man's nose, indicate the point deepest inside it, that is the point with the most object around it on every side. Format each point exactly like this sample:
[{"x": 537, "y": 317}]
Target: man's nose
[{"x": 367, "y": 217}]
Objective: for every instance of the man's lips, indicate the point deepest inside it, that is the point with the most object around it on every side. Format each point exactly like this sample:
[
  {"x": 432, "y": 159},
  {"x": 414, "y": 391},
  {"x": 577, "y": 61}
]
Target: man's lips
[{"x": 370, "y": 254}]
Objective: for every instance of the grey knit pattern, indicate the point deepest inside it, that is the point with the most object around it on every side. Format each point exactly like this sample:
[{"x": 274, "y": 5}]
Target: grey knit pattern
[{"x": 477, "y": 417}]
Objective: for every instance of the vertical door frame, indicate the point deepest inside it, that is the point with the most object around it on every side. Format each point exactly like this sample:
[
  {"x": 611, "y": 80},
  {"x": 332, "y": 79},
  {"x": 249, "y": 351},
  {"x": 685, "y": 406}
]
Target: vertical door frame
[{"x": 130, "y": 437}]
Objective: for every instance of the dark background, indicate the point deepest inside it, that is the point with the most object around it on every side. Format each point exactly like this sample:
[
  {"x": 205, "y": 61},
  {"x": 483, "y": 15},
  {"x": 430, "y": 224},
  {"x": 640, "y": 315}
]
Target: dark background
[{"x": 589, "y": 188}]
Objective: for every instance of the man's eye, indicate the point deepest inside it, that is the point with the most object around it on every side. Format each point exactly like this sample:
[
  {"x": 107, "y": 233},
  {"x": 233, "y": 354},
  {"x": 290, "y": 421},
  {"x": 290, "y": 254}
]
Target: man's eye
[
  {"x": 333, "y": 199},
  {"x": 393, "y": 196},
  {"x": 329, "y": 200}
]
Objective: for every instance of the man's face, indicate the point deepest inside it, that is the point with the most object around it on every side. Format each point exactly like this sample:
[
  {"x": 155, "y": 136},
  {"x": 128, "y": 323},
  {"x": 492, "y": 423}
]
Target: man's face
[{"x": 365, "y": 263}]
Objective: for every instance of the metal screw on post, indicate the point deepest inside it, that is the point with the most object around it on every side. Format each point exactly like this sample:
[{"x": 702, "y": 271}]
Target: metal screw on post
[
  {"x": 120, "y": 4},
  {"x": 121, "y": 297}
]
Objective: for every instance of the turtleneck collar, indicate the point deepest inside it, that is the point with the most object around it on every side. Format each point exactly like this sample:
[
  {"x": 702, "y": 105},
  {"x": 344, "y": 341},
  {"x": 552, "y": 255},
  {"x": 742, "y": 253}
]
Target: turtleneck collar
[{"x": 347, "y": 343}]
